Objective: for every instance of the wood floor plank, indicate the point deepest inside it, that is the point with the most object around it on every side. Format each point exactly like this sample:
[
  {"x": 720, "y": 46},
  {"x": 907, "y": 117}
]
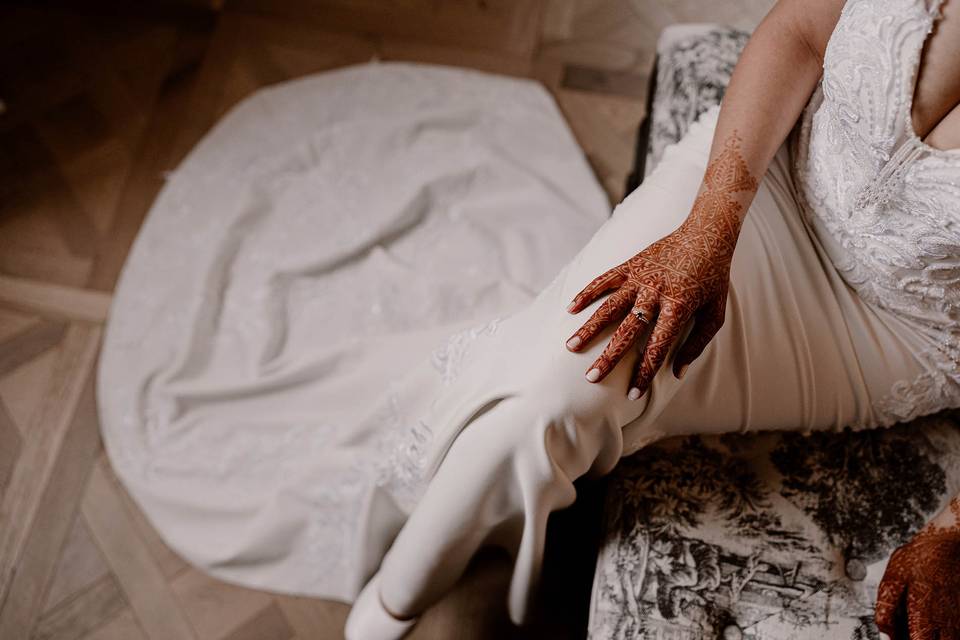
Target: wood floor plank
[
  {"x": 123, "y": 626},
  {"x": 216, "y": 609},
  {"x": 13, "y": 321},
  {"x": 43, "y": 447},
  {"x": 475, "y": 609},
  {"x": 23, "y": 389},
  {"x": 193, "y": 104},
  {"x": 20, "y": 259},
  {"x": 80, "y": 565},
  {"x": 10, "y": 442},
  {"x": 259, "y": 50},
  {"x": 490, "y": 61},
  {"x": 620, "y": 83},
  {"x": 604, "y": 125},
  {"x": 313, "y": 618},
  {"x": 54, "y": 515},
  {"x": 82, "y": 614},
  {"x": 56, "y": 300},
  {"x": 324, "y": 49},
  {"x": 269, "y": 623},
  {"x": 511, "y": 26},
  {"x": 23, "y": 347},
  {"x": 143, "y": 584},
  {"x": 173, "y": 128},
  {"x": 113, "y": 97},
  {"x": 557, "y": 19},
  {"x": 81, "y": 88},
  {"x": 46, "y": 193}
]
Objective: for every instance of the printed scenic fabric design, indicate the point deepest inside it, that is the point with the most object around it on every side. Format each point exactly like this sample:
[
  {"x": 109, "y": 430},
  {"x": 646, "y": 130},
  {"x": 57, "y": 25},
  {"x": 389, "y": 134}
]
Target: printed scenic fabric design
[
  {"x": 778, "y": 535},
  {"x": 692, "y": 75}
]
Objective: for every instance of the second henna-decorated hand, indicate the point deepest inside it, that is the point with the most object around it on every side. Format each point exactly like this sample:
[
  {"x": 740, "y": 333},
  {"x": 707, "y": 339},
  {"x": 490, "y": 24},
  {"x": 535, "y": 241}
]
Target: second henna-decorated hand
[
  {"x": 919, "y": 595},
  {"x": 682, "y": 277}
]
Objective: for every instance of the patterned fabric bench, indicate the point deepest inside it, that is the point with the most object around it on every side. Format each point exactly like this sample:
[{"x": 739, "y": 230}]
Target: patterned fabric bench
[{"x": 769, "y": 536}]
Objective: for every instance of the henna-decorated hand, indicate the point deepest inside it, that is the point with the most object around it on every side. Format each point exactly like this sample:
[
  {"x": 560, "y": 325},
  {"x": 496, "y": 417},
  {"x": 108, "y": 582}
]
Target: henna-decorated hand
[
  {"x": 919, "y": 596},
  {"x": 684, "y": 276}
]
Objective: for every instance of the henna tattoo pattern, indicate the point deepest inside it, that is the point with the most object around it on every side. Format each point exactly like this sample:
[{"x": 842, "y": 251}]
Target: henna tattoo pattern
[
  {"x": 684, "y": 276},
  {"x": 919, "y": 596}
]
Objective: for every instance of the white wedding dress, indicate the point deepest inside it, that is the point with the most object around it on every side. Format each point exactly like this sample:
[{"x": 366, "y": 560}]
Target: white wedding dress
[{"x": 306, "y": 357}]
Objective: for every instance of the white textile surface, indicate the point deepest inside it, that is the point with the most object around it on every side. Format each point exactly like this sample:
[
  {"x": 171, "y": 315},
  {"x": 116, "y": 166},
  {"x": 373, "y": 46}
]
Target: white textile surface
[{"x": 317, "y": 246}]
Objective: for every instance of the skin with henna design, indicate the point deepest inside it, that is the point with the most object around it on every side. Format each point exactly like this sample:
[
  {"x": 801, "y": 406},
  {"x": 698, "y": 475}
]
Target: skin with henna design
[
  {"x": 919, "y": 596},
  {"x": 682, "y": 277}
]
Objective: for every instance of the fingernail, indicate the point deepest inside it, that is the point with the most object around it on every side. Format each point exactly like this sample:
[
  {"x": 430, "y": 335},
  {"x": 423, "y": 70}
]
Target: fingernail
[
  {"x": 682, "y": 372},
  {"x": 573, "y": 342},
  {"x": 571, "y": 306},
  {"x": 634, "y": 394},
  {"x": 593, "y": 375}
]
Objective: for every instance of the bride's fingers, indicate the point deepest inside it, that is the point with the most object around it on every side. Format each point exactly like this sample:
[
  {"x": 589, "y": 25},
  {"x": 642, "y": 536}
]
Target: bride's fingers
[
  {"x": 597, "y": 287},
  {"x": 890, "y": 595},
  {"x": 707, "y": 321},
  {"x": 622, "y": 339},
  {"x": 612, "y": 308},
  {"x": 921, "y": 620},
  {"x": 664, "y": 334}
]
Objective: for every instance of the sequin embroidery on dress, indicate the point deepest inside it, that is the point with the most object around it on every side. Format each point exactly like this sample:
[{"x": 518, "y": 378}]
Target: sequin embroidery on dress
[{"x": 885, "y": 203}]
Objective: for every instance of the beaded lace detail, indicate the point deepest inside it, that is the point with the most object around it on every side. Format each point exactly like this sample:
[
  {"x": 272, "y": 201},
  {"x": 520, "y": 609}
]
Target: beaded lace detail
[{"x": 886, "y": 204}]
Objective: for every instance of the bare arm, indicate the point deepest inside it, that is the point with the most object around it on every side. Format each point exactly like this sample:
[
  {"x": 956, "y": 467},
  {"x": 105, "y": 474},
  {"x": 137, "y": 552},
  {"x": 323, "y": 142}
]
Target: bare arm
[
  {"x": 771, "y": 83},
  {"x": 773, "y": 79}
]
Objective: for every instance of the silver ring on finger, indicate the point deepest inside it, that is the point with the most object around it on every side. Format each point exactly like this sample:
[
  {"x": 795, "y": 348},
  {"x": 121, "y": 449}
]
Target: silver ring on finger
[{"x": 636, "y": 311}]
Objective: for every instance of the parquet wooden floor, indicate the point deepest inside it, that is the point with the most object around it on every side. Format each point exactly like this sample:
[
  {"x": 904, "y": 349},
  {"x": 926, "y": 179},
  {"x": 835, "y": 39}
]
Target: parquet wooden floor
[{"x": 97, "y": 104}]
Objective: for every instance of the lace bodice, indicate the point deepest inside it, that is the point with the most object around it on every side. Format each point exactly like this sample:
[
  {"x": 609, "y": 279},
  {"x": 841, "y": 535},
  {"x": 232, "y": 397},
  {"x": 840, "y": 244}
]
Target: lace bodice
[{"x": 886, "y": 205}]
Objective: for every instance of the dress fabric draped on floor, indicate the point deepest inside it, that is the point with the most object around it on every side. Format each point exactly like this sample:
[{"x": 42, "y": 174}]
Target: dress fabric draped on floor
[{"x": 285, "y": 316}]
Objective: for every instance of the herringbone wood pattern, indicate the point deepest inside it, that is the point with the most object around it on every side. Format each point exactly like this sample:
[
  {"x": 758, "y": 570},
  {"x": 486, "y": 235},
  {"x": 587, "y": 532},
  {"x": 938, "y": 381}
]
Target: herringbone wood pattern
[{"x": 97, "y": 105}]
